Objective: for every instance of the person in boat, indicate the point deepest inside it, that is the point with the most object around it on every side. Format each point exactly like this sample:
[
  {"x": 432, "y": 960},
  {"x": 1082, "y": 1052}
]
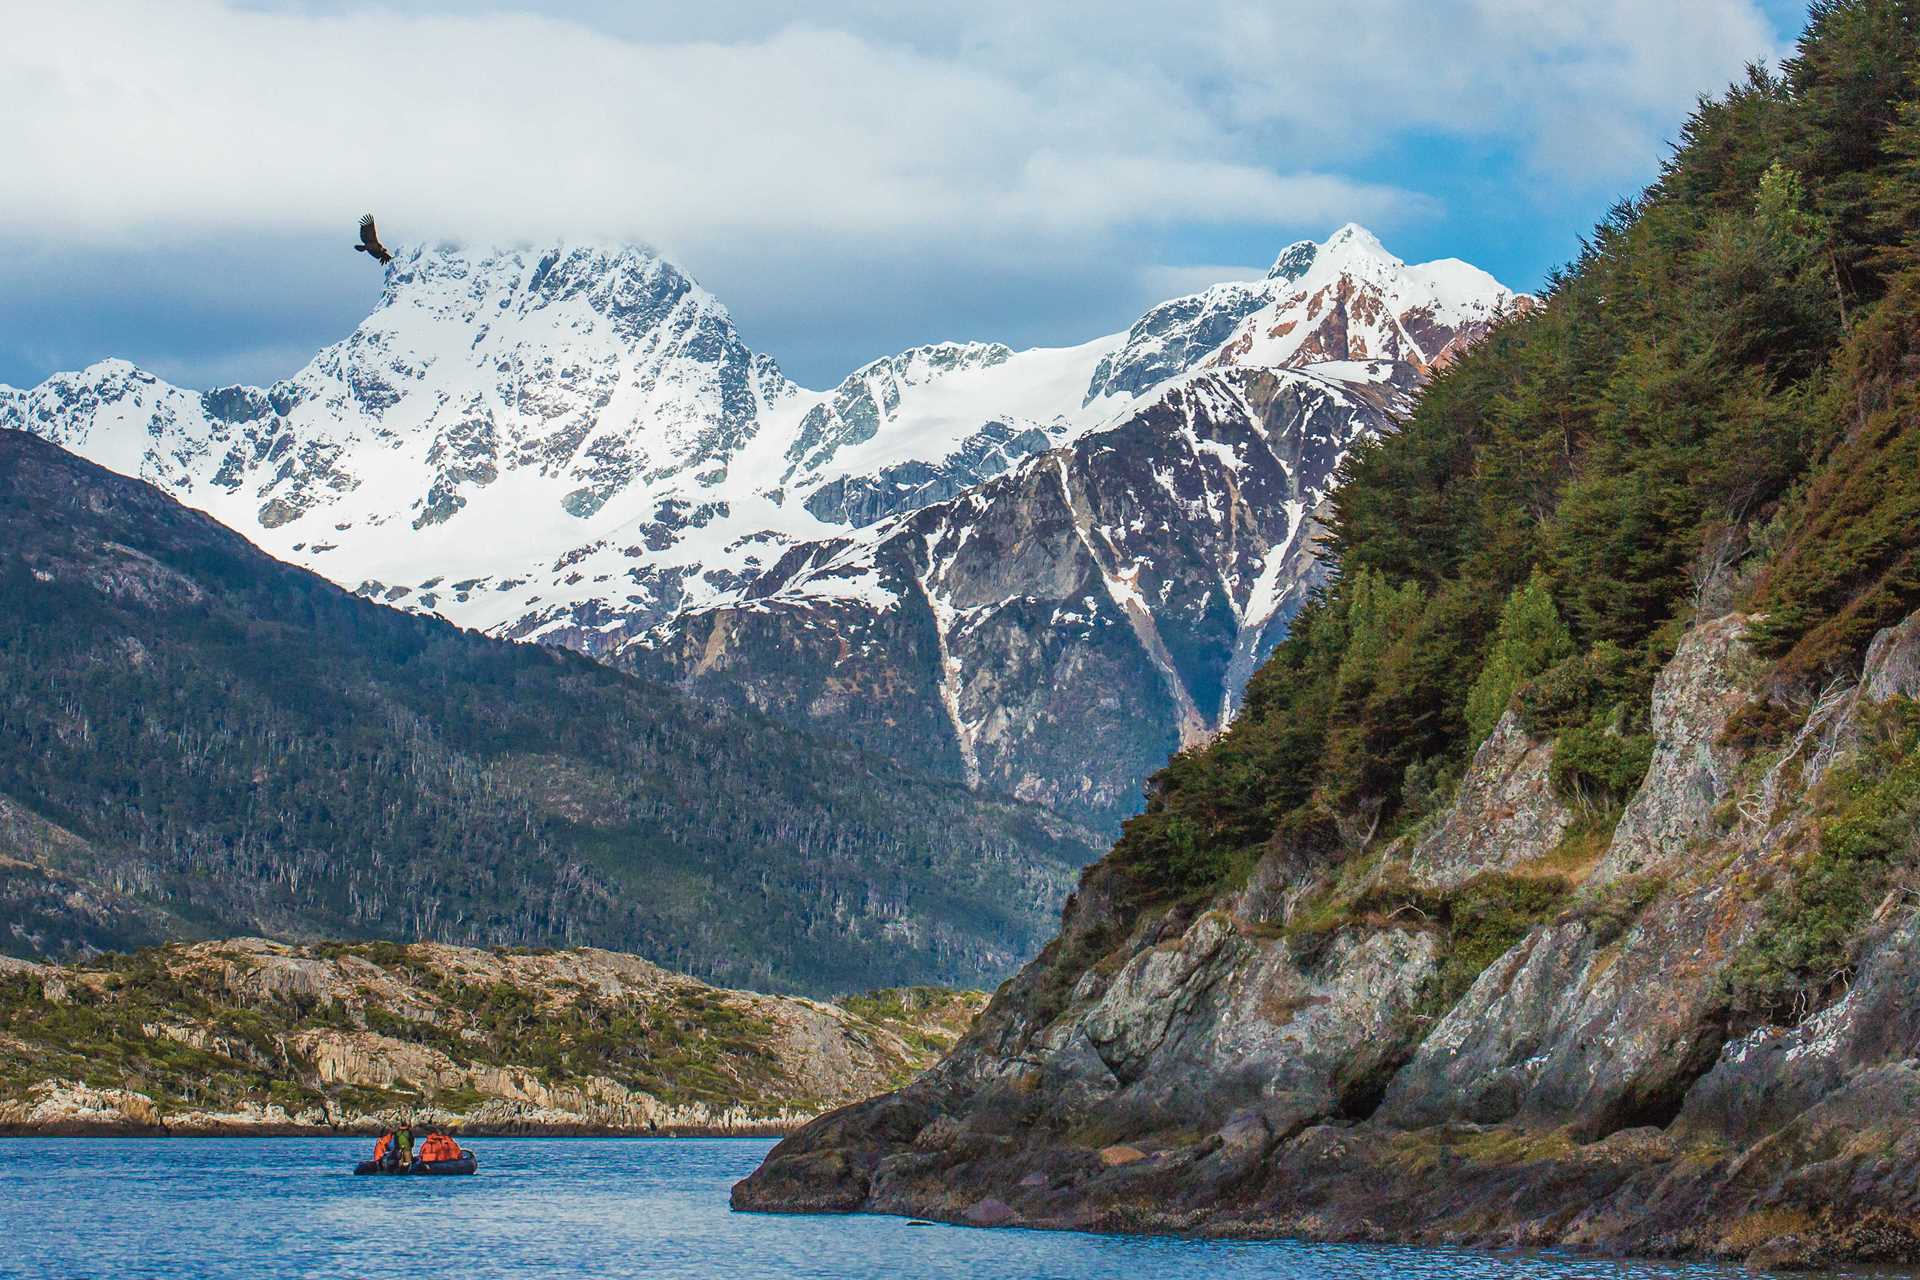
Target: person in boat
[
  {"x": 438, "y": 1146},
  {"x": 404, "y": 1141},
  {"x": 386, "y": 1152}
]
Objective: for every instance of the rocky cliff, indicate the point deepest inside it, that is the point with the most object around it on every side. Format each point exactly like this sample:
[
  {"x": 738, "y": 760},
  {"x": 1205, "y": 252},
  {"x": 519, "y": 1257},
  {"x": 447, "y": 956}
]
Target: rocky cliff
[
  {"x": 1288, "y": 1058},
  {"x": 253, "y": 1036}
]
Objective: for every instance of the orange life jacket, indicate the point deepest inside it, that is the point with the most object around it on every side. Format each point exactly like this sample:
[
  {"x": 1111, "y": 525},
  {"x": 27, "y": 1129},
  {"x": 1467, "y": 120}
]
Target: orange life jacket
[
  {"x": 440, "y": 1147},
  {"x": 380, "y": 1148}
]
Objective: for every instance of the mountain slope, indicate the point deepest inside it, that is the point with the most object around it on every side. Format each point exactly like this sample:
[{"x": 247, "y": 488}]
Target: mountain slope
[
  {"x": 1554, "y": 886},
  {"x": 477, "y": 424},
  {"x": 1116, "y": 591},
  {"x": 202, "y": 740},
  {"x": 574, "y": 446}
]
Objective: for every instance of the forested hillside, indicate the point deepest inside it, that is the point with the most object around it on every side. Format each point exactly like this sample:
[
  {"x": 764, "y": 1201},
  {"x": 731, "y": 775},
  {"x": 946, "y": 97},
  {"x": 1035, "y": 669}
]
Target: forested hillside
[
  {"x": 1556, "y": 884},
  {"x": 1713, "y": 409},
  {"x": 197, "y": 740}
]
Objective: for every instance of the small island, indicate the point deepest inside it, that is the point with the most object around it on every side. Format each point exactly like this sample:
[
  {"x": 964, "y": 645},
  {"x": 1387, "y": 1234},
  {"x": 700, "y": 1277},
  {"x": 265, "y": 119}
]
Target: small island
[{"x": 250, "y": 1036}]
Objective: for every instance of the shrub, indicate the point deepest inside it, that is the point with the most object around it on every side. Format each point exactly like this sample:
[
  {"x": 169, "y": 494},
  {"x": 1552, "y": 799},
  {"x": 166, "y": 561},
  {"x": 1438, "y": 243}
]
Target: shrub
[
  {"x": 1813, "y": 922},
  {"x": 1594, "y": 764},
  {"x": 1529, "y": 639}
]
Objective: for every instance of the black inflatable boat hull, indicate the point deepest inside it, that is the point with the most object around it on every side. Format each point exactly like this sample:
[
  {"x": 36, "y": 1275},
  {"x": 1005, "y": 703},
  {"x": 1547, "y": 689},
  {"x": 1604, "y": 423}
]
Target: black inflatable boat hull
[{"x": 465, "y": 1164}]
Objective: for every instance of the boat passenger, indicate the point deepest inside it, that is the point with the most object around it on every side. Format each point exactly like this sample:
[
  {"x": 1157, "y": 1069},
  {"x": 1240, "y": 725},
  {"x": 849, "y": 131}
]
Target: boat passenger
[
  {"x": 439, "y": 1146},
  {"x": 384, "y": 1152}
]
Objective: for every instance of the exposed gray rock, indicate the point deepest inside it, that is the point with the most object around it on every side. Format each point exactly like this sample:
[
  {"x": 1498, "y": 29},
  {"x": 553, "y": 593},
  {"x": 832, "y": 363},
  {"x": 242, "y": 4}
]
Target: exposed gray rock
[
  {"x": 1573, "y": 1028},
  {"x": 1506, "y": 812},
  {"x": 1118, "y": 591},
  {"x": 1693, "y": 699},
  {"x": 1892, "y": 668}
]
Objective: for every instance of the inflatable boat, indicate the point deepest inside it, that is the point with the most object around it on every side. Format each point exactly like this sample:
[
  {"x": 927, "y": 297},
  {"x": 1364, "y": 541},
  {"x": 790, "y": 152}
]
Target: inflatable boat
[{"x": 465, "y": 1164}]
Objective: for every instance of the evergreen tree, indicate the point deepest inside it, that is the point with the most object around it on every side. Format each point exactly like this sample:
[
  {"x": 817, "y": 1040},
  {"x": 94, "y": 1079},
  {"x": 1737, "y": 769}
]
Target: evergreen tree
[{"x": 1530, "y": 638}]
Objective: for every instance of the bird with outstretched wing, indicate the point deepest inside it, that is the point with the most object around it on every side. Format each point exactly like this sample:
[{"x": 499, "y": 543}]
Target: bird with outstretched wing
[{"x": 370, "y": 241}]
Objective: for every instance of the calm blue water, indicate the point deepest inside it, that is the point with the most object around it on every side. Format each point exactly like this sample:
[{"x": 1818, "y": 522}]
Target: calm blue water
[{"x": 153, "y": 1209}]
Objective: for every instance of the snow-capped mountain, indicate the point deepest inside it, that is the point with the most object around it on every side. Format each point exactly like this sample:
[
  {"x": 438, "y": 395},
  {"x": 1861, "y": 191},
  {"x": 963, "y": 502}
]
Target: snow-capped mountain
[
  {"x": 575, "y": 445},
  {"x": 494, "y": 410},
  {"x": 1057, "y": 631}
]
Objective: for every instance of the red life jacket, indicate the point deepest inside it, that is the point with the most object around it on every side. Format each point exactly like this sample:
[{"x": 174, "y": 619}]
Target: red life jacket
[{"x": 381, "y": 1147}]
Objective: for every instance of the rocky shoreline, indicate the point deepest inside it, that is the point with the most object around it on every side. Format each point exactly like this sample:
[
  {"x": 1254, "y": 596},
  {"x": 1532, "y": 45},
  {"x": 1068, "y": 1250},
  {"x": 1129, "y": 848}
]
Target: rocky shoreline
[
  {"x": 1271, "y": 1062},
  {"x": 69, "y": 1109}
]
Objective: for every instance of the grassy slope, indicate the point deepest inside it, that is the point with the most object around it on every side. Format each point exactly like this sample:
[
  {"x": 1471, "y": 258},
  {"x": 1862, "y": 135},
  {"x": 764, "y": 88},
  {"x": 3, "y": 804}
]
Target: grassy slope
[{"x": 674, "y": 1038}]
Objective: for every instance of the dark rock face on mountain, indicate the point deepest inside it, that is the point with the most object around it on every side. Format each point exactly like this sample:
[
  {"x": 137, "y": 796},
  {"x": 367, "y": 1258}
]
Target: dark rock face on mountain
[
  {"x": 1117, "y": 591},
  {"x": 196, "y": 738},
  {"x": 1193, "y": 1071}
]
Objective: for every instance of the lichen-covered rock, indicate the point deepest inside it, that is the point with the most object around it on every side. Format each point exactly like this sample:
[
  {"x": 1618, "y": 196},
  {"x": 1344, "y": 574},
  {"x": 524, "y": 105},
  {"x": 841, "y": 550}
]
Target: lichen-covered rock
[
  {"x": 1693, "y": 699},
  {"x": 1574, "y": 1029},
  {"x": 1892, "y": 668},
  {"x": 1506, "y": 812}
]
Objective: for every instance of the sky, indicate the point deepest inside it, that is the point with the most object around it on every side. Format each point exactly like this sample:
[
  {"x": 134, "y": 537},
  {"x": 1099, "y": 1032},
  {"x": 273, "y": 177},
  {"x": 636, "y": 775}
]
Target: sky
[{"x": 851, "y": 177}]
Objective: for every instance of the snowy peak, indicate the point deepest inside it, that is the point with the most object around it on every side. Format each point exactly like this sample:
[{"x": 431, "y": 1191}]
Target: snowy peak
[
  {"x": 872, "y": 397},
  {"x": 1352, "y": 247},
  {"x": 1358, "y": 302},
  {"x": 493, "y": 401},
  {"x": 572, "y": 443},
  {"x": 976, "y": 558},
  {"x": 1353, "y": 239},
  {"x": 1344, "y": 300},
  {"x": 1294, "y": 261}
]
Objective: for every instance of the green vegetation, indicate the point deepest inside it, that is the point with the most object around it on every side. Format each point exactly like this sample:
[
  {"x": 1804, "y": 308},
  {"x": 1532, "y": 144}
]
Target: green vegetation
[
  {"x": 1591, "y": 760},
  {"x": 1808, "y": 940},
  {"x": 1530, "y": 638},
  {"x": 930, "y": 1019},
  {"x": 196, "y": 740},
  {"x": 1716, "y": 405}
]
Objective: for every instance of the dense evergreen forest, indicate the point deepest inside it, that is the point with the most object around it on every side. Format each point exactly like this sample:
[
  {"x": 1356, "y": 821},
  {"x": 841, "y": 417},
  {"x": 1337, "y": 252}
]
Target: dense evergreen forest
[
  {"x": 1715, "y": 407},
  {"x": 197, "y": 740}
]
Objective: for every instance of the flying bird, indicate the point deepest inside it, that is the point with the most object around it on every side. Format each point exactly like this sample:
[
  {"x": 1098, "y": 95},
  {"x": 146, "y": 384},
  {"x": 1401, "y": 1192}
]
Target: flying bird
[{"x": 370, "y": 241}]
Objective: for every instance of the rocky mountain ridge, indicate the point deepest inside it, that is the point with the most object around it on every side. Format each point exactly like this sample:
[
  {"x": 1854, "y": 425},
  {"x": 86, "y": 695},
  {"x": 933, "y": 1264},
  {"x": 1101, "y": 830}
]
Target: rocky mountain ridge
[
  {"x": 251, "y": 1036},
  {"x": 1120, "y": 590},
  {"x": 574, "y": 445}
]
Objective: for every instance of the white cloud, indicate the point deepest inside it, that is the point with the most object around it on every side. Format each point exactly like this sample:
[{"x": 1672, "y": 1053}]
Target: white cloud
[
  {"x": 853, "y": 176},
  {"x": 994, "y": 120}
]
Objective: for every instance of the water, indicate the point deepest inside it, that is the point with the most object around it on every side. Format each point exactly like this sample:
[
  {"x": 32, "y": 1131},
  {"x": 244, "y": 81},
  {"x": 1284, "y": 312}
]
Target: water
[{"x": 259, "y": 1208}]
